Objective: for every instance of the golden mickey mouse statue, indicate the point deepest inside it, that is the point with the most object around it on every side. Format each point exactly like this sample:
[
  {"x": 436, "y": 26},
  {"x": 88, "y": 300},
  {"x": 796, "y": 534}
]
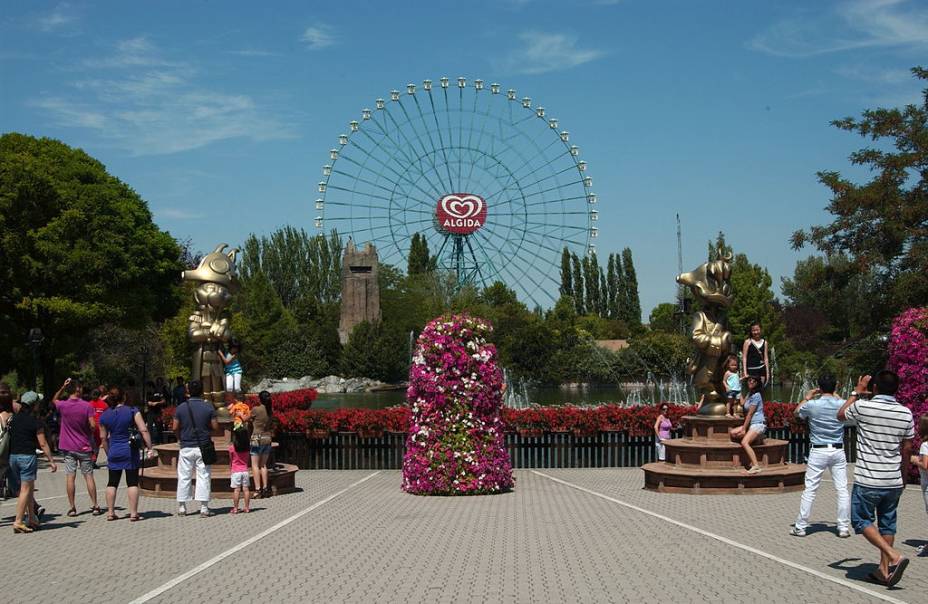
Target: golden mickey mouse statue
[{"x": 206, "y": 327}]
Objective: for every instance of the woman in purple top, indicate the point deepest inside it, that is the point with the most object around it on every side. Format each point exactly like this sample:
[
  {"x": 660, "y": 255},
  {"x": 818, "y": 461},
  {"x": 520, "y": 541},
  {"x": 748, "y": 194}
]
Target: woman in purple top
[
  {"x": 122, "y": 454},
  {"x": 662, "y": 427}
]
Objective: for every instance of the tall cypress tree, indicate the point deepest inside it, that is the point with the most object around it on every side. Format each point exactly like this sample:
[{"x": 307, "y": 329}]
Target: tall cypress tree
[
  {"x": 621, "y": 291},
  {"x": 578, "y": 283},
  {"x": 418, "y": 255},
  {"x": 589, "y": 301},
  {"x": 594, "y": 300},
  {"x": 567, "y": 287},
  {"x": 631, "y": 283},
  {"x": 612, "y": 282},
  {"x": 603, "y": 295}
]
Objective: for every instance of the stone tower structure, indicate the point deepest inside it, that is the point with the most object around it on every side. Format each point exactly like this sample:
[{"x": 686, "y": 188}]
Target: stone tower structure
[{"x": 360, "y": 289}]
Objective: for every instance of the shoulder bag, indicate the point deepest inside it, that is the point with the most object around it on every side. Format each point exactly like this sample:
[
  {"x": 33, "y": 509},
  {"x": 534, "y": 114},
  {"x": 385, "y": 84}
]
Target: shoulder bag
[{"x": 207, "y": 448}]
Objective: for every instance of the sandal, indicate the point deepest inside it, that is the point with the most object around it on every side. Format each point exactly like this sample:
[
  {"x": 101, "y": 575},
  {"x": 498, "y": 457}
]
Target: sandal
[
  {"x": 111, "y": 517},
  {"x": 233, "y": 511},
  {"x": 96, "y": 511},
  {"x": 21, "y": 528},
  {"x": 72, "y": 512},
  {"x": 135, "y": 518},
  {"x": 896, "y": 570},
  {"x": 875, "y": 577}
]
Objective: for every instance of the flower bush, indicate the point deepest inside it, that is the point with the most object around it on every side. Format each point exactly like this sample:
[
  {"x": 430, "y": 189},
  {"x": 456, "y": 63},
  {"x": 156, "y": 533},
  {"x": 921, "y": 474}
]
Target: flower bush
[
  {"x": 455, "y": 444},
  {"x": 285, "y": 401},
  {"x": 908, "y": 357},
  {"x": 637, "y": 421}
]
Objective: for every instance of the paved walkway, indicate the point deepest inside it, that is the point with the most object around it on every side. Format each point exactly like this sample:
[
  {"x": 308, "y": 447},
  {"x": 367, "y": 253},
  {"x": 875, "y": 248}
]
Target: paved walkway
[{"x": 561, "y": 536}]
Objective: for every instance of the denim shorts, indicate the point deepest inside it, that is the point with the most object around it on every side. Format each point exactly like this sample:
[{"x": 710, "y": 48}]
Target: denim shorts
[
  {"x": 260, "y": 449},
  {"x": 735, "y": 394},
  {"x": 75, "y": 459},
  {"x": 22, "y": 468},
  {"x": 869, "y": 505}
]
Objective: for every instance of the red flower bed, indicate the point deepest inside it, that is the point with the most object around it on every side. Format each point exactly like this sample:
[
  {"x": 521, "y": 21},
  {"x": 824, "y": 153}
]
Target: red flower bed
[
  {"x": 637, "y": 421},
  {"x": 285, "y": 401}
]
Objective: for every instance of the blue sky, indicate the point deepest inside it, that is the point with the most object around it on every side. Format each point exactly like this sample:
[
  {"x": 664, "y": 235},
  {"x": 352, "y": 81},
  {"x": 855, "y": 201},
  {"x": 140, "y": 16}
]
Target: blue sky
[{"x": 221, "y": 115}]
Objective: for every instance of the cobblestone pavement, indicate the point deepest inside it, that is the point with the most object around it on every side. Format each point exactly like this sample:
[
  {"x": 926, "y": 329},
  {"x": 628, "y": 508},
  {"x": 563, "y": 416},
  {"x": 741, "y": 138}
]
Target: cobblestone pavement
[{"x": 561, "y": 536}]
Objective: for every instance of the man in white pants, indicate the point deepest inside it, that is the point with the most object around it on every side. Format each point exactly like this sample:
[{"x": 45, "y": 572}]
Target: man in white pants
[
  {"x": 193, "y": 421},
  {"x": 826, "y": 433}
]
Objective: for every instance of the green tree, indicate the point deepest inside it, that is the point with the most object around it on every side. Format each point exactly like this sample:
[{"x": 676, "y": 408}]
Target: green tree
[
  {"x": 882, "y": 225},
  {"x": 665, "y": 317},
  {"x": 633, "y": 302},
  {"x": 579, "y": 302},
  {"x": 419, "y": 260},
  {"x": 567, "y": 286},
  {"x": 753, "y": 302},
  {"x": 297, "y": 266},
  {"x": 78, "y": 249},
  {"x": 375, "y": 351},
  {"x": 261, "y": 323},
  {"x": 612, "y": 286}
]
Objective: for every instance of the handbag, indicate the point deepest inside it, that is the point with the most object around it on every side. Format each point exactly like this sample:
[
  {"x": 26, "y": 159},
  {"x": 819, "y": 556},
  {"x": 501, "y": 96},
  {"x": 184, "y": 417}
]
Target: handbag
[
  {"x": 4, "y": 440},
  {"x": 136, "y": 441},
  {"x": 207, "y": 448}
]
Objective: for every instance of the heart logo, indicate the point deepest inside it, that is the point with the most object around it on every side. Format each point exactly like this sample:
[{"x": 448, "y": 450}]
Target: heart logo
[{"x": 467, "y": 206}]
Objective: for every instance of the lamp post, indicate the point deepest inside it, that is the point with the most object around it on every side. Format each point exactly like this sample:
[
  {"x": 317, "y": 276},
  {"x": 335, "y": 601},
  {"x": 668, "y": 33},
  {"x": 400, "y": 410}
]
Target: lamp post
[{"x": 34, "y": 342}]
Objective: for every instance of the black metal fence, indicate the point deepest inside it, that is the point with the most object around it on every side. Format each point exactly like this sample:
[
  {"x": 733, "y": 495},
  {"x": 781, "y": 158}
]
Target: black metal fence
[{"x": 348, "y": 451}]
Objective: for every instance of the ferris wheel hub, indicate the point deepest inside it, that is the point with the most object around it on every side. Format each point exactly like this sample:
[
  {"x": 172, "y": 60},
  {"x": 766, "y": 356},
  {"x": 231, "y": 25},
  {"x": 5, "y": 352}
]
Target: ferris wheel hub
[{"x": 461, "y": 213}]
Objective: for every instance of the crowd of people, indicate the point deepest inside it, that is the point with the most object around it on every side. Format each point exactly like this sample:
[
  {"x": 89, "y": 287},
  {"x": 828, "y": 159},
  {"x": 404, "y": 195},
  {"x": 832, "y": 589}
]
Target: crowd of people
[
  {"x": 885, "y": 436},
  {"x": 126, "y": 434}
]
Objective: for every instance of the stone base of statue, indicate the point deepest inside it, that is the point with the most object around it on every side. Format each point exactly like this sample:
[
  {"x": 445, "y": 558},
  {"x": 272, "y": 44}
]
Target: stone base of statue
[
  {"x": 160, "y": 478},
  {"x": 707, "y": 461}
]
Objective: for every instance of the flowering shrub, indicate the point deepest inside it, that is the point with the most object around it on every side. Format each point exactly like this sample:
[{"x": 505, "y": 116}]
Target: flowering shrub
[
  {"x": 637, "y": 421},
  {"x": 908, "y": 357},
  {"x": 285, "y": 401},
  {"x": 455, "y": 444}
]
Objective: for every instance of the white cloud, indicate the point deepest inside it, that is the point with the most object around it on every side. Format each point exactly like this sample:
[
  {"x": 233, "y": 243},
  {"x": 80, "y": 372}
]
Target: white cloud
[
  {"x": 149, "y": 105},
  {"x": 253, "y": 52},
  {"x": 178, "y": 214},
  {"x": 60, "y": 18},
  {"x": 541, "y": 52},
  {"x": 850, "y": 25},
  {"x": 318, "y": 36}
]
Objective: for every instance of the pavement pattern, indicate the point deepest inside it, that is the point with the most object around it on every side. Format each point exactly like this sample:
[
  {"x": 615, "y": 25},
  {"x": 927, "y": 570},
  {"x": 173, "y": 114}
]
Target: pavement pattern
[{"x": 568, "y": 535}]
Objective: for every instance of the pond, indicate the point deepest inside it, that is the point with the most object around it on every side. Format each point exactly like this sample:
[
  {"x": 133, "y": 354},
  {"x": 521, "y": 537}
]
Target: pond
[{"x": 547, "y": 395}]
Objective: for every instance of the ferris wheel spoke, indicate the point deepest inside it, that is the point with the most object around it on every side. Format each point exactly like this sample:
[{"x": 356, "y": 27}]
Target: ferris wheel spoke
[
  {"x": 372, "y": 207},
  {"x": 525, "y": 186},
  {"x": 402, "y": 133},
  {"x": 441, "y": 139},
  {"x": 450, "y": 130},
  {"x": 431, "y": 140},
  {"x": 506, "y": 267},
  {"x": 381, "y": 162},
  {"x": 560, "y": 200},
  {"x": 419, "y": 137}
]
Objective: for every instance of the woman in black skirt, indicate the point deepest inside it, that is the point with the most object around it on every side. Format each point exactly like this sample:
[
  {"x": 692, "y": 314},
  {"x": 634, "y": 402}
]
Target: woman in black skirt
[{"x": 754, "y": 356}]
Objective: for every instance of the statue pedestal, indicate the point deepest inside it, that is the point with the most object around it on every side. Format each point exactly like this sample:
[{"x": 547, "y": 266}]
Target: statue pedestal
[
  {"x": 160, "y": 480},
  {"x": 707, "y": 461}
]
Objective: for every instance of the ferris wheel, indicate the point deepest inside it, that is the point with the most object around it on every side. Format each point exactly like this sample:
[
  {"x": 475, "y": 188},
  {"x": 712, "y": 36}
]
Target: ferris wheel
[{"x": 493, "y": 183}]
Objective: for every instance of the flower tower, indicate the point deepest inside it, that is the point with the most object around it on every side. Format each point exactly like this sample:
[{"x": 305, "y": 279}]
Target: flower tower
[
  {"x": 908, "y": 357},
  {"x": 455, "y": 444}
]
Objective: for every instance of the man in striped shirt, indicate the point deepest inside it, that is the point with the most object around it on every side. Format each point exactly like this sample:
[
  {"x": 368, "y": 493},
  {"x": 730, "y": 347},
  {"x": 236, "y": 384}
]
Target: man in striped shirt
[{"x": 884, "y": 445}]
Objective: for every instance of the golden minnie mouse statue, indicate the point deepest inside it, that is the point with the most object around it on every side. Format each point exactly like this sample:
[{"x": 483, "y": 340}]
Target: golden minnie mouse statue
[
  {"x": 711, "y": 285},
  {"x": 206, "y": 327}
]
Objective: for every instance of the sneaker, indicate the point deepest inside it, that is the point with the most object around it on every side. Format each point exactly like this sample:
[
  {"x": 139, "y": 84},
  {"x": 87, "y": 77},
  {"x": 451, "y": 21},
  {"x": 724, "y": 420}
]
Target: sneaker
[
  {"x": 181, "y": 510},
  {"x": 206, "y": 513},
  {"x": 844, "y": 533},
  {"x": 922, "y": 551},
  {"x": 795, "y": 531},
  {"x": 755, "y": 470}
]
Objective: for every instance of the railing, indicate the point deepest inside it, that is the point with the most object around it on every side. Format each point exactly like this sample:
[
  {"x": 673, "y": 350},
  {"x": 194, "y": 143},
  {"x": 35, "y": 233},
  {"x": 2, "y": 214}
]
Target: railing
[{"x": 348, "y": 451}]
